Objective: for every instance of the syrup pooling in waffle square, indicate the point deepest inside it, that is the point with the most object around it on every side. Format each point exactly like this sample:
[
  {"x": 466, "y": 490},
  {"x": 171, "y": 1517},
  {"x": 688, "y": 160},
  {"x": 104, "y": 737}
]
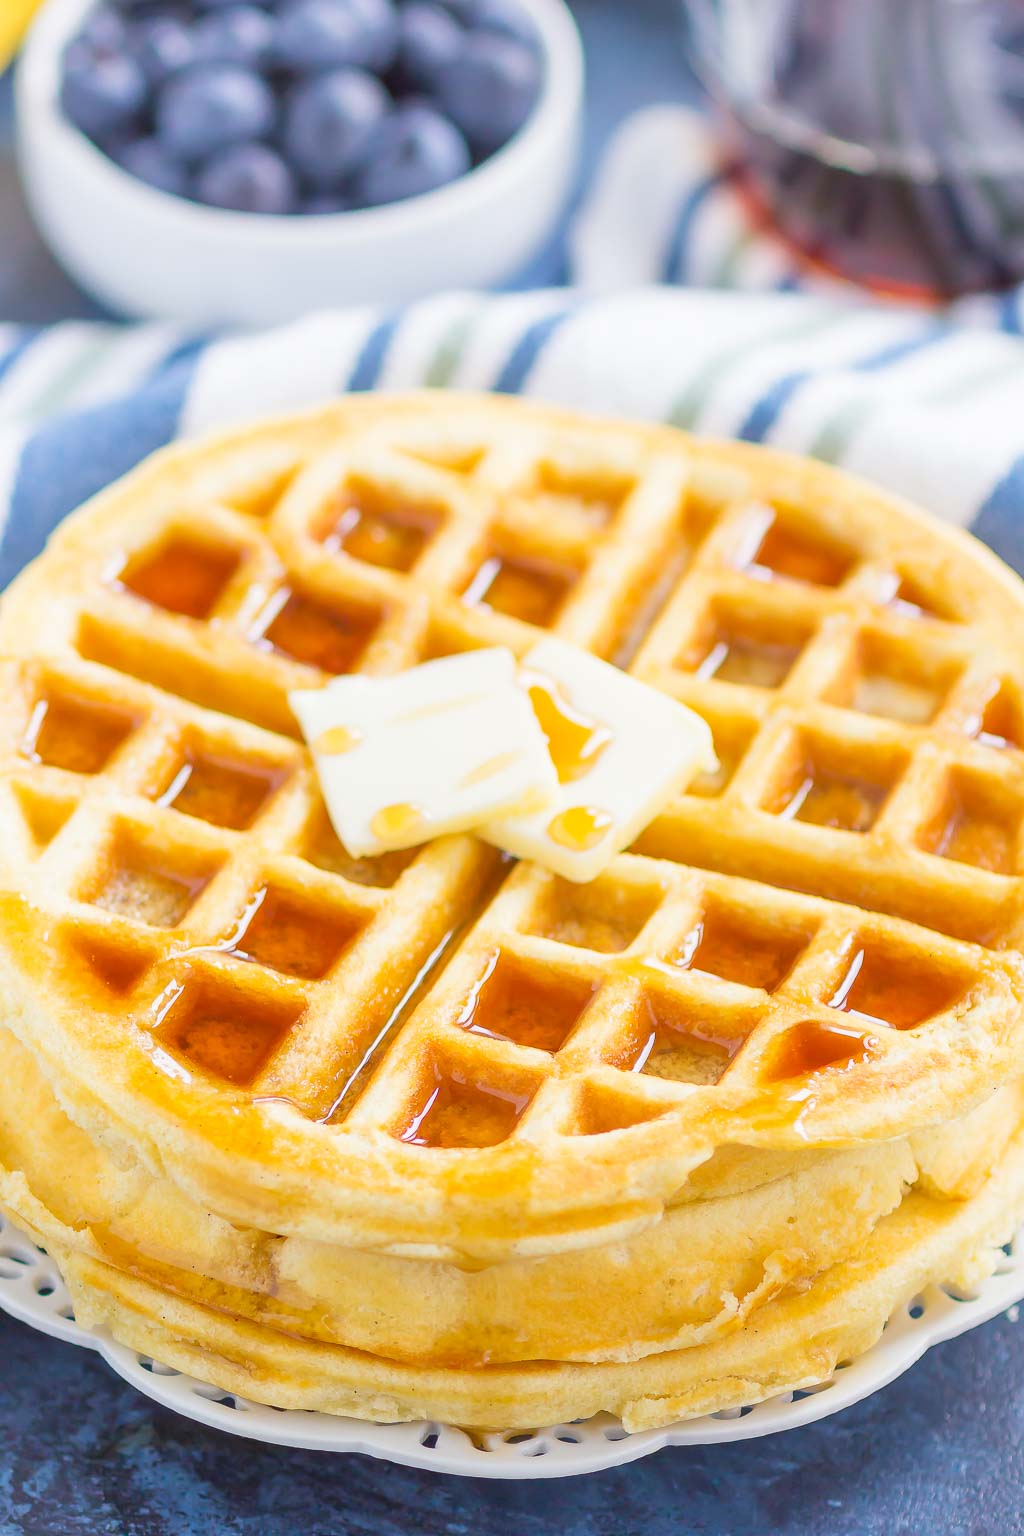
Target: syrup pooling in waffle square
[{"x": 730, "y": 979}]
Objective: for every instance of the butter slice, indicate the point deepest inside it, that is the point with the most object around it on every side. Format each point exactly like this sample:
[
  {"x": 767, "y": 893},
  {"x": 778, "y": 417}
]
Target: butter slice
[
  {"x": 439, "y": 748},
  {"x": 623, "y": 751}
]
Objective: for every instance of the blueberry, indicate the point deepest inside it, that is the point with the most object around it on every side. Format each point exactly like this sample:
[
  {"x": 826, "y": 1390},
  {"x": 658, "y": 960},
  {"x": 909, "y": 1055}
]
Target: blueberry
[
  {"x": 330, "y": 34},
  {"x": 203, "y": 110},
  {"x": 489, "y": 89},
  {"x": 102, "y": 94},
  {"x": 238, "y": 34},
  {"x": 326, "y": 203},
  {"x": 149, "y": 161},
  {"x": 220, "y": 5},
  {"x": 501, "y": 16},
  {"x": 249, "y": 178},
  {"x": 162, "y": 45},
  {"x": 380, "y": 24},
  {"x": 428, "y": 38},
  {"x": 415, "y": 150},
  {"x": 330, "y": 122},
  {"x": 104, "y": 31}
]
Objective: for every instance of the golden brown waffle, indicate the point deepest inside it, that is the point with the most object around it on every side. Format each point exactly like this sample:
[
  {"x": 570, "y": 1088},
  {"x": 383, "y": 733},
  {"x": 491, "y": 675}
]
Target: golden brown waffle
[
  {"x": 438, "y": 1054},
  {"x": 702, "y": 1272},
  {"x": 795, "y": 1341}
]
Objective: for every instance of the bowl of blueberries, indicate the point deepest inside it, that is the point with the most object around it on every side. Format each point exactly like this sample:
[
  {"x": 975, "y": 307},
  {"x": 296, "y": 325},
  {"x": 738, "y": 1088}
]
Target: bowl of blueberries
[{"x": 246, "y": 161}]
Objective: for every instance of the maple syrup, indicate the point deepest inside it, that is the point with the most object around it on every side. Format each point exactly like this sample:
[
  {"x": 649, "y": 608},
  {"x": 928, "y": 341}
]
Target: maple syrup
[
  {"x": 749, "y": 662},
  {"x": 532, "y": 591},
  {"x": 600, "y": 1111},
  {"x": 894, "y": 990},
  {"x": 184, "y": 577},
  {"x": 357, "y": 1077},
  {"x": 904, "y": 201},
  {"x": 354, "y": 1078},
  {"x": 972, "y": 829},
  {"x": 399, "y": 820},
  {"x": 298, "y": 627},
  {"x": 377, "y": 535},
  {"x": 324, "y": 848},
  {"x": 846, "y": 802},
  {"x": 678, "y": 1045},
  {"x": 336, "y": 740},
  {"x": 999, "y": 724},
  {"x": 727, "y": 946},
  {"x": 906, "y": 599},
  {"x": 220, "y": 1031},
  {"x": 221, "y": 790},
  {"x": 781, "y": 552},
  {"x": 811, "y": 1046},
  {"x": 580, "y": 827},
  {"x": 511, "y": 1002},
  {"x": 144, "y": 888},
  {"x": 575, "y": 739},
  {"x": 457, "y": 1113},
  {"x": 116, "y": 968},
  {"x": 289, "y": 936},
  {"x": 43, "y": 817},
  {"x": 75, "y": 734}
]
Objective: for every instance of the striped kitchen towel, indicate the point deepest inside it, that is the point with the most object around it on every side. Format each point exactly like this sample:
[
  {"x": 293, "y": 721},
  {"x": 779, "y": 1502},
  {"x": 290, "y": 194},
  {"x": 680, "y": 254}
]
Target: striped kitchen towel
[{"x": 927, "y": 407}]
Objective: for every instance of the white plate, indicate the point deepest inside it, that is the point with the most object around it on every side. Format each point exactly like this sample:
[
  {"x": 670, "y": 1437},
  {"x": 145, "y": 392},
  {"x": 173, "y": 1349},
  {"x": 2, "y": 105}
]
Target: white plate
[{"x": 31, "y": 1289}]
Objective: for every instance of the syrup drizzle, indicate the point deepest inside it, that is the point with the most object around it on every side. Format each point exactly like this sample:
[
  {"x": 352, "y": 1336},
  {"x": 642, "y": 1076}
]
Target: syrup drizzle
[
  {"x": 400, "y": 820},
  {"x": 461, "y": 1113},
  {"x": 575, "y": 739},
  {"x": 336, "y": 740},
  {"x": 377, "y": 537},
  {"x": 425, "y": 978},
  {"x": 798, "y": 1060},
  {"x": 579, "y": 828},
  {"x": 509, "y": 1003},
  {"x": 810, "y": 1047}
]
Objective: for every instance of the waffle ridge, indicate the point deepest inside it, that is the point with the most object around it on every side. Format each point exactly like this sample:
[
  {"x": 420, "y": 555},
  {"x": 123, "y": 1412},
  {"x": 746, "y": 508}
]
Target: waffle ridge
[{"x": 442, "y": 1052}]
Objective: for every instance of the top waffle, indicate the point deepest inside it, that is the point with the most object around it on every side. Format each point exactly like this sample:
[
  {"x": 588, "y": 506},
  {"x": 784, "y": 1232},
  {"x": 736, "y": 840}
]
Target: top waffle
[{"x": 439, "y": 1052}]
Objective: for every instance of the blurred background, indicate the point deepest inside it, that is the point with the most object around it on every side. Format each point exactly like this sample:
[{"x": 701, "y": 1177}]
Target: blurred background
[
  {"x": 635, "y": 55},
  {"x": 242, "y": 161}
]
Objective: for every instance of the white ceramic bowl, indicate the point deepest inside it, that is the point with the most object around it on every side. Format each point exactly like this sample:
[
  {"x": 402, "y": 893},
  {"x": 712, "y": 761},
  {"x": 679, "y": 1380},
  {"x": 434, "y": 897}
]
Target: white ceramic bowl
[{"x": 146, "y": 253}]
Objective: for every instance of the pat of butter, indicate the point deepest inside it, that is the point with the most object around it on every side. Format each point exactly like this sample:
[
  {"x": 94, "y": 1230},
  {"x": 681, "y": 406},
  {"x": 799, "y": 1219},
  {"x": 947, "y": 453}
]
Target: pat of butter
[
  {"x": 440, "y": 748},
  {"x": 622, "y": 751}
]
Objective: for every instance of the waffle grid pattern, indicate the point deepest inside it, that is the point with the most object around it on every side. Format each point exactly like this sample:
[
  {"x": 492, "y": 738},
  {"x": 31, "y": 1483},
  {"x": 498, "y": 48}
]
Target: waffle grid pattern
[{"x": 870, "y": 761}]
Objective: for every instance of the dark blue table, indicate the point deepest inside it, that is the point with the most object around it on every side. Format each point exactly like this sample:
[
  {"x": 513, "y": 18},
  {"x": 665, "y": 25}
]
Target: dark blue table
[{"x": 939, "y": 1453}]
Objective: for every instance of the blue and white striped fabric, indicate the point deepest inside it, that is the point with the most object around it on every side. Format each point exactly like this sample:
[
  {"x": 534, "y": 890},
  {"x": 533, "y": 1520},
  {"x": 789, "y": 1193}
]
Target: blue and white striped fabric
[{"x": 929, "y": 408}]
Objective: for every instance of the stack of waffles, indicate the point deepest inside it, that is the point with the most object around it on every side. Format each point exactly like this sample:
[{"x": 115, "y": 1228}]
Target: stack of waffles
[{"x": 441, "y": 1135}]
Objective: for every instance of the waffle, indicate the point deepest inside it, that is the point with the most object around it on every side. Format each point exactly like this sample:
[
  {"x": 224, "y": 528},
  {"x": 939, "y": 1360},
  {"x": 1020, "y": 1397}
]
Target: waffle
[
  {"x": 703, "y": 1272},
  {"x": 439, "y": 1054},
  {"x": 796, "y": 1341}
]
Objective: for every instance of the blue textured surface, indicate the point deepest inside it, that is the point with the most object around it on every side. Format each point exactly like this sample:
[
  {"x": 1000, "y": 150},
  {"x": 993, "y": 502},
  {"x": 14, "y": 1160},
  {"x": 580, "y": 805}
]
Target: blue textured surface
[{"x": 939, "y": 1453}]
